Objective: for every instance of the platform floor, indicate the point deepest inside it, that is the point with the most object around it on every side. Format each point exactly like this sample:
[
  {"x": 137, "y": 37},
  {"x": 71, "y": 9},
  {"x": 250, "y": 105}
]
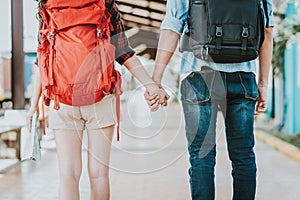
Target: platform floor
[{"x": 150, "y": 163}]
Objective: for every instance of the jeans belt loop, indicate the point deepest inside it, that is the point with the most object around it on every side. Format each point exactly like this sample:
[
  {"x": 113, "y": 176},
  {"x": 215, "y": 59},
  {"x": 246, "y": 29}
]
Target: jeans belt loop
[{"x": 205, "y": 69}]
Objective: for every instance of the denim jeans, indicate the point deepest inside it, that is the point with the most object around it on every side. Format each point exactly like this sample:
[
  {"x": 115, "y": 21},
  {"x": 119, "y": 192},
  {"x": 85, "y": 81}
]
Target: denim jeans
[{"x": 234, "y": 94}]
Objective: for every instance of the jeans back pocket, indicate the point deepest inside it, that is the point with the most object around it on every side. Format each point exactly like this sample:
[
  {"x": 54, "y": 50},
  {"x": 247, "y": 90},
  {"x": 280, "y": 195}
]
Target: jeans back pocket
[
  {"x": 249, "y": 84},
  {"x": 196, "y": 88}
]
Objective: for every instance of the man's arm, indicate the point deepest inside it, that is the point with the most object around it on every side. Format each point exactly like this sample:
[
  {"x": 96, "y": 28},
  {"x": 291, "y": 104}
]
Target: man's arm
[
  {"x": 177, "y": 12},
  {"x": 136, "y": 68},
  {"x": 265, "y": 59},
  {"x": 166, "y": 46}
]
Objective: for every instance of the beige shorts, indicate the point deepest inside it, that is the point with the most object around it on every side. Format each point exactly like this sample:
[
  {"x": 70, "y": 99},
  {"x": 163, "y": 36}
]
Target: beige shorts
[{"x": 91, "y": 117}]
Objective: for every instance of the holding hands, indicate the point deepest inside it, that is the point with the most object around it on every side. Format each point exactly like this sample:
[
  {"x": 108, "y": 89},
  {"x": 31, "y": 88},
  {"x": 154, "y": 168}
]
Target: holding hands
[{"x": 156, "y": 97}]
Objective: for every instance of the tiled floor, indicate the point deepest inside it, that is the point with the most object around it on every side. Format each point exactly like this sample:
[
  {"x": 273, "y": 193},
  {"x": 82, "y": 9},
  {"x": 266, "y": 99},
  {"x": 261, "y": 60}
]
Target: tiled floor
[{"x": 150, "y": 163}]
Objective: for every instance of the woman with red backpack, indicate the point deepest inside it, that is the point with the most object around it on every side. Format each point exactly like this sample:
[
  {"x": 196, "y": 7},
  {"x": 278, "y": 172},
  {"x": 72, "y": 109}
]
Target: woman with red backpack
[{"x": 78, "y": 43}]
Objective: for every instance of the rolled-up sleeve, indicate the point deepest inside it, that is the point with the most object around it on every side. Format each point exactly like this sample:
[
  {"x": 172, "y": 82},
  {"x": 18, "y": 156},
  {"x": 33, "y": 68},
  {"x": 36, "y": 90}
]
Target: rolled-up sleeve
[
  {"x": 268, "y": 10},
  {"x": 177, "y": 12},
  {"x": 270, "y": 14}
]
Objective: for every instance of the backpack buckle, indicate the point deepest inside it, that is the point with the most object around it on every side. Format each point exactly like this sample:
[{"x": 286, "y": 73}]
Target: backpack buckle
[
  {"x": 99, "y": 34},
  {"x": 51, "y": 35},
  {"x": 245, "y": 32},
  {"x": 219, "y": 31}
]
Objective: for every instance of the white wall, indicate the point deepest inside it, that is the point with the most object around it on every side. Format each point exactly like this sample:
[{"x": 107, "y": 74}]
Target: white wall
[
  {"x": 30, "y": 26},
  {"x": 5, "y": 24}
]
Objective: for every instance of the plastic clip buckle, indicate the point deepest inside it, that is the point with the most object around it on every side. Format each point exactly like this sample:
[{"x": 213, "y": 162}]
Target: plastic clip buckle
[
  {"x": 99, "y": 34},
  {"x": 219, "y": 31},
  {"x": 245, "y": 32}
]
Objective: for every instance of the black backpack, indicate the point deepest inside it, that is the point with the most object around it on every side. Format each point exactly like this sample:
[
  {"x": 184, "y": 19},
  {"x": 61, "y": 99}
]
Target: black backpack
[{"x": 225, "y": 31}]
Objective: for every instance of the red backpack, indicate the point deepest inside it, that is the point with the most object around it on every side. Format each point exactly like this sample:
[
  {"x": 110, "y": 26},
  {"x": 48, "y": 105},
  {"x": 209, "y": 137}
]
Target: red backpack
[{"x": 75, "y": 56}]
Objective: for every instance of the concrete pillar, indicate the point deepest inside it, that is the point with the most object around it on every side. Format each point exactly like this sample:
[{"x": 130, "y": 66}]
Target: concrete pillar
[{"x": 18, "y": 94}]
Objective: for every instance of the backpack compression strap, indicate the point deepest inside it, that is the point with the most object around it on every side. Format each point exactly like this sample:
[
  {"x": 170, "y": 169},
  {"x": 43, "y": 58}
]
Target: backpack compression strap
[
  {"x": 116, "y": 80},
  {"x": 118, "y": 111}
]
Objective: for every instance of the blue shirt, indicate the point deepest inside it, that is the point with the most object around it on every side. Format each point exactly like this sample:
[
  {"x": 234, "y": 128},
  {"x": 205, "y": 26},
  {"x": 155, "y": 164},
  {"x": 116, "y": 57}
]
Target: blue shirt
[{"x": 175, "y": 20}]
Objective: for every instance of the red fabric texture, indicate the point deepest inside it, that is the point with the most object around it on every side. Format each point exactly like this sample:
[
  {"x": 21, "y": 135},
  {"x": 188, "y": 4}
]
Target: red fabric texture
[{"x": 75, "y": 55}]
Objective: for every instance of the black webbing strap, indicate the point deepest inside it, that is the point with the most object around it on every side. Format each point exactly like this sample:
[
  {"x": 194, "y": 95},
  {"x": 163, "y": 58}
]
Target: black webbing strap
[
  {"x": 245, "y": 35},
  {"x": 219, "y": 35}
]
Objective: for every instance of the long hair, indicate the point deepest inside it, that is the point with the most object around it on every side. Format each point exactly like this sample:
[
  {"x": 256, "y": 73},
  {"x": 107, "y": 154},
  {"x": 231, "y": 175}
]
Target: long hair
[{"x": 41, "y": 4}]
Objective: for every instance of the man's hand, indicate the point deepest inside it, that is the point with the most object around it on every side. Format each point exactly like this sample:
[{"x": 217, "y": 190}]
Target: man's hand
[
  {"x": 262, "y": 101},
  {"x": 265, "y": 58},
  {"x": 156, "y": 100},
  {"x": 166, "y": 47}
]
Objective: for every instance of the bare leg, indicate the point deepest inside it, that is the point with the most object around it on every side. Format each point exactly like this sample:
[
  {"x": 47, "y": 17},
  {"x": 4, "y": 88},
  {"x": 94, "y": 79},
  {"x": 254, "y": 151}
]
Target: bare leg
[
  {"x": 68, "y": 146},
  {"x": 99, "y": 145}
]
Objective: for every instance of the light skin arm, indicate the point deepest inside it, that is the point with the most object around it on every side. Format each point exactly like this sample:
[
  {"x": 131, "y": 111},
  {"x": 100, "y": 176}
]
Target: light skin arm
[
  {"x": 37, "y": 91},
  {"x": 136, "y": 68},
  {"x": 133, "y": 65},
  {"x": 166, "y": 47},
  {"x": 265, "y": 59}
]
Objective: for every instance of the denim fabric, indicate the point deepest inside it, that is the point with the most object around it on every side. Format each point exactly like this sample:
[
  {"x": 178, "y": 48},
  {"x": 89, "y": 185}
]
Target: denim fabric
[
  {"x": 234, "y": 94},
  {"x": 177, "y": 13}
]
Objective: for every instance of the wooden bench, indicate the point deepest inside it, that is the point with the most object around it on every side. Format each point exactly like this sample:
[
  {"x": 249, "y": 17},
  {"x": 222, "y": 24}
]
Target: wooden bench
[{"x": 11, "y": 136}]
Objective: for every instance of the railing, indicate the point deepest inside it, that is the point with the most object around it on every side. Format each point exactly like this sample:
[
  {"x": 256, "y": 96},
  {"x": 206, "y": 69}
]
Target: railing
[{"x": 142, "y": 13}]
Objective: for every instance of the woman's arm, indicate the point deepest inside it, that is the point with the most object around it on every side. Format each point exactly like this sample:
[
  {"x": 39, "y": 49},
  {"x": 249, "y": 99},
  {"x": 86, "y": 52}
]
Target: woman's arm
[
  {"x": 37, "y": 91},
  {"x": 136, "y": 68},
  {"x": 125, "y": 55}
]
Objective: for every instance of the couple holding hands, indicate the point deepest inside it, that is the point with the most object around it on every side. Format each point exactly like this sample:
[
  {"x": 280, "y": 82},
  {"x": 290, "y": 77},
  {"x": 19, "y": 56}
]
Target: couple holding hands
[{"x": 208, "y": 87}]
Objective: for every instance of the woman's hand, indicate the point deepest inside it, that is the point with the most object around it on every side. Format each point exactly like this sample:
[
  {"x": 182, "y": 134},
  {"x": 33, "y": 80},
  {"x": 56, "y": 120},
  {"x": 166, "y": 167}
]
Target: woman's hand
[
  {"x": 156, "y": 96},
  {"x": 37, "y": 91},
  {"x": 30, "y": 114}
]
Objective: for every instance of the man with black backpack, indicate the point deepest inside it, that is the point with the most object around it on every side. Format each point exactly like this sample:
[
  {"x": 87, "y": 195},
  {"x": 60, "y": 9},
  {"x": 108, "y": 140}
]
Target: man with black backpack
[{"x": 220, "y": 43}]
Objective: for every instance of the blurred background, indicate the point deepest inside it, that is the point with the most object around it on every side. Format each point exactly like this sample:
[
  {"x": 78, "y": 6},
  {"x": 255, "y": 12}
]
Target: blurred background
[{"x": 277, "y": 131}]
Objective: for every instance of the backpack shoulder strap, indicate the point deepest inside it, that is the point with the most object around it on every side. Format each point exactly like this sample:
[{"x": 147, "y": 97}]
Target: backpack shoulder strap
[
  {"x": 109, "y": 3},
  {"x": 265, "y": 5}
]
